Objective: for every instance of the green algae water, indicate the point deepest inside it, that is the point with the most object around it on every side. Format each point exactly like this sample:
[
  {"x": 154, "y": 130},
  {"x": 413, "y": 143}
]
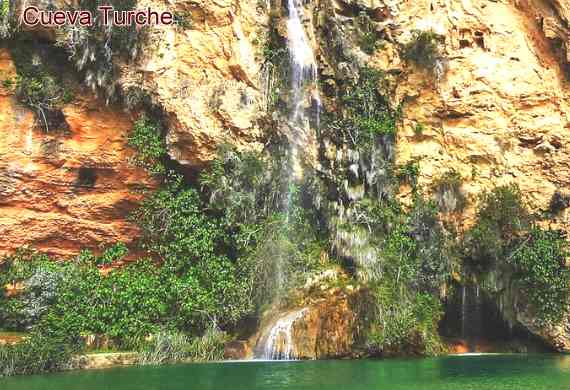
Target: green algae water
[{"x": 493, "y": 372}]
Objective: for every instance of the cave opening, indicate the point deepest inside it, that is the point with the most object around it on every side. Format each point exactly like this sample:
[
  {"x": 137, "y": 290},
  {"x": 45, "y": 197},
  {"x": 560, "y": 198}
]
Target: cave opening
[
  {"x": 473, "y": 322},
  {"x": 86, "y": 177}
]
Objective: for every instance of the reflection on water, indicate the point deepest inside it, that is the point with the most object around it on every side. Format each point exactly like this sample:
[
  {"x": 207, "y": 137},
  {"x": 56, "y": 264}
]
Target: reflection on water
[{"x": 495, "y": 372}]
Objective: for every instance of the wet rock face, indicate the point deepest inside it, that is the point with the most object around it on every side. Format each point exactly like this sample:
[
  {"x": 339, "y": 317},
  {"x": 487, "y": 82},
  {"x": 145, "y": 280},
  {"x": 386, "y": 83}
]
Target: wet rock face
[
  {"x": 62, "y": 191},
  {"x": 325, "y": 329}
]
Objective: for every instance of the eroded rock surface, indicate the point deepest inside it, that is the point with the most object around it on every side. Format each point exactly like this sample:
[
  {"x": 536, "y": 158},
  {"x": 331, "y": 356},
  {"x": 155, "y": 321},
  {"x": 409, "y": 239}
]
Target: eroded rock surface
[{"x": 61, "y": 192}]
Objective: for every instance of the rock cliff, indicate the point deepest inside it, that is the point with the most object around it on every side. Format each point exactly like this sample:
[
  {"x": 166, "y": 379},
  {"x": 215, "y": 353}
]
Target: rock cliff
[
  {"x": 62, "y": 191},
  {"x": 495, "y": 111}
]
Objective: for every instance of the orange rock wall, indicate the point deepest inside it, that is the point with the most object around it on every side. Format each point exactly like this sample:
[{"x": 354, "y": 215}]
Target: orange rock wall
[{"x": 43, "y": 202}]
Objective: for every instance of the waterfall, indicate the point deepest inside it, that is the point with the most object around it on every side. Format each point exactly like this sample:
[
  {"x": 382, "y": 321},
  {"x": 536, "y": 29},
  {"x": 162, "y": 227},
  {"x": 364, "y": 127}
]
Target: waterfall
[
  {"x": 303, "y": 83},
  {"x": 471, "y": 314},
  {"x": 278, "y": 343},
  {"x": 463, "y": 312}
]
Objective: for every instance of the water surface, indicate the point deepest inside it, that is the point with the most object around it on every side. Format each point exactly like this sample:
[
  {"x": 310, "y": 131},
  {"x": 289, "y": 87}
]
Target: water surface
[{"x": 493, "y": 372}]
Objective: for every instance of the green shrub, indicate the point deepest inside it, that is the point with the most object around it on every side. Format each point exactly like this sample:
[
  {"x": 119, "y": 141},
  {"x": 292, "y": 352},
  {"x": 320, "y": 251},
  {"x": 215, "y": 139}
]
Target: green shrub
[
  {"x": 172, "y": 347},
  {"x": 94, "y": 50},
  {"x": 209, "y": 346},
  {"x": 448, "y": 192},
  {"x": 368, "y": 116},
  {"x": 502, "y": 218},
  {"x": 40, "y": 86},
  {"x": 409, "y": 173},
  {"x": 404, "y": 324},
  {"x": 6, "y": 21},
  {"x": 423, "y": 50},
  {"x": 112, "y": 254},
  {"x": 165, "y": 347},
  {"x": 37, "y": 354},
  {"x": 367, "y": 39},
  {"x": 177, "y": 228},
  {"x": 539, "y": 261},
  {"x": 147, "y": 140},
  {"x": 419, "y": 129}
]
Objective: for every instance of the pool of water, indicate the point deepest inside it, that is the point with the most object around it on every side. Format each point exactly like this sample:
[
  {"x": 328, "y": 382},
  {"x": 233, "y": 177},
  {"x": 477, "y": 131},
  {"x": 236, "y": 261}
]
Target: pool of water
[{"x": 493, "y": 372}]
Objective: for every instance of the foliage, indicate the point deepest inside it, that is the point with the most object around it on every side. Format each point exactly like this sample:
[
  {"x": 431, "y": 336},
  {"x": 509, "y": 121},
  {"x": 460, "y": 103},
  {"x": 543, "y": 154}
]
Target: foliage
[
  {"x": 423, "y": 50},
  {"x": 93, "y": 49},
  {"x": 247, "y": 186},
  {"x": 173, "y": 346},
  {"x": 132, "y": 302},
  {"x": 6, "y": 21},
  {"x": 367, "y": 38},
  {"x": 274, "y": 232},
  {"x": 432, "y": 247},
  {"x": 501, "y": 219},
  {"x": 539, "y": 261},
  {"x": 448, "y": 192},
  {"x": 419, "y": 129},
  {"x": 112, "y": 254},
  {"x": 192, "y": 244},
  {"x": 36, "y": 354},
  {"x": 409, "y": 172},
  {"x": 165, "y": 347},
  {"x": 146, "y": 139},
  {"x": 404, "y": 323},
  {"x": 183, "y": 20},
  {"x": 368, "y": 115},
  {"x": 209, "y": 346},
  {"x": 39, "y": 86}
]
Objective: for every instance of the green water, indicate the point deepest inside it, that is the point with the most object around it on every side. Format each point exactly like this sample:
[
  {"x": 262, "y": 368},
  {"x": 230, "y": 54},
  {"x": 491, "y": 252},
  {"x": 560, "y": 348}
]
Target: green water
[{"x": 466, "y": 372}]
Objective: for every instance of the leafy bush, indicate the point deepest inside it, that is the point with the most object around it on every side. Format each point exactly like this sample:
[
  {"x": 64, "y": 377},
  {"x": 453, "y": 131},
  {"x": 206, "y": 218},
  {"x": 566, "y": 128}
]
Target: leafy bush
[
  {"x": 37, "y": 354},
  {"x": 165, "y": 347},
  {"x": 39, "y": 86},
  {"x": 247, "y": 186},
  {"x": 94, "y": 49},
  {"x": 209, "y": 346},
  {"x": 539, "y": 261},
  {"x": 192, "y": 244},
  {"x": 367, "y": 38},
  {"x": 409, "y": 173},
  {"x": 172, "y": 347},
  {"x": 404, "y": 324},
  {"x": 112, "y": 254},
  {"x": 423, "y": 50},
  {"x": 448, "y": 191},
  {"x": 6, "y": 21},
  {"x": 501, "y": 219},
  {"x": 146, "y": 139}
]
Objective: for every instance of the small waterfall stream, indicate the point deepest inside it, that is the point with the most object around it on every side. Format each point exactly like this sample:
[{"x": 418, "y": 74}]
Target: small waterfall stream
[
  {"x": 277, "y": 342},
  {"x": 303, "y": 84}
]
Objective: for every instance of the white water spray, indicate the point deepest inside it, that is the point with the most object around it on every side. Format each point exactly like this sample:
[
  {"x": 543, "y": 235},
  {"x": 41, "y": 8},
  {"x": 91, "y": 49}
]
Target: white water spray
[
  {"x": 280, "y": 344},
  {"x": 303, "y": 82}
]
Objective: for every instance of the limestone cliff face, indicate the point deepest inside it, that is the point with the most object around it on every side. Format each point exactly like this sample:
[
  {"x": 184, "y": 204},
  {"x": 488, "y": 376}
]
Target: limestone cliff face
[
  {"x": 64, "y": 191},
  {"x": 495, "y": 109},
  {"x": 499, "y": 112},
  {"x": 206, "y": 77}
]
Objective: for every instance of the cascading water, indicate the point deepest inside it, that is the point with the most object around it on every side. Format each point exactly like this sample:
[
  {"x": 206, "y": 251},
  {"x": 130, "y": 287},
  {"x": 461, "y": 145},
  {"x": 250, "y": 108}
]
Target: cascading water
[
  {"x": 277, "y": 342},
  {"x": 303, "y": 70}
]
